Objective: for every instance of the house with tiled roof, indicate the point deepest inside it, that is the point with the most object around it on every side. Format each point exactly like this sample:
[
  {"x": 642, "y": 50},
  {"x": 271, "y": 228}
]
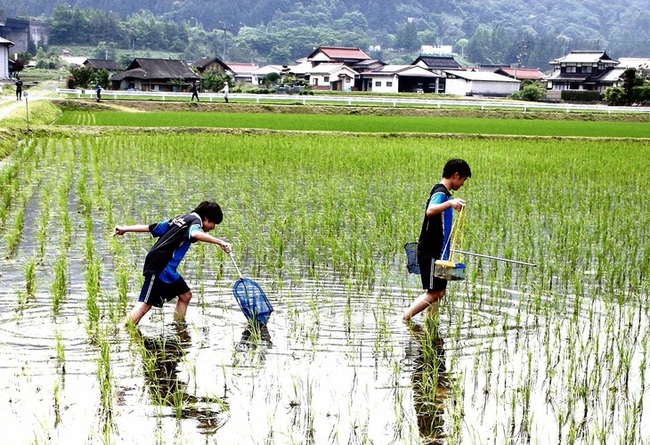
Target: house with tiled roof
[
  {"x": 639, "y": 63},
  {"x": 155, "y": 75},
  {"x": 243, "y": 72},
  {"x": 103, "y": 64},
  {"x": 206, "y": 64},
  {"x": 401, "y": 79},
  {"x": 583, "y": 70},
  {"x": 337, "y": 54},
  {"x": 437, "y": 63},
  {"x": 332, "y": 76}
]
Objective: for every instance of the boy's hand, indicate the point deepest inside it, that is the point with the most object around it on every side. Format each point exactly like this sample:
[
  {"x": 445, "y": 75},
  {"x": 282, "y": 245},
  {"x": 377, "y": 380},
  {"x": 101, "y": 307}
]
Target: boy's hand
[
  {"x": 457, "y": 203},
  {"x": 118, "y": 231},
  {"x": 225, "y": 246}
]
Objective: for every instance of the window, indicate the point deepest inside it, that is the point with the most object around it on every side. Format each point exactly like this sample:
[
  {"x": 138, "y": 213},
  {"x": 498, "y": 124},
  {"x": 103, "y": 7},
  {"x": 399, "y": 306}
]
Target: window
[
  {"x": 314, "y": 81},
  {"x": 389, "y": 84},
  {"x": 348, "y": 79},
  {"x": 586, "y": 69},
  {"x": 378, "y": 83},
  {"x": 570, "y": 69},
  {"x": 326, "y": 78}
]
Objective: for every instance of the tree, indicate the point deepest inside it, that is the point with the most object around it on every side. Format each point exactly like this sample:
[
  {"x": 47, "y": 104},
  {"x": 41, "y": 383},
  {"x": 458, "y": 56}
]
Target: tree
[
  {"x": 214, "y": 80},
  {"x": 407, "y": 37},
  {"x": 462, "y": 43},
  {"x": 270, "y": 79},
  {"x": 635, "y": 89},
  {"x": 84, "y": 77},
  {"x": 106, "y": 51}
]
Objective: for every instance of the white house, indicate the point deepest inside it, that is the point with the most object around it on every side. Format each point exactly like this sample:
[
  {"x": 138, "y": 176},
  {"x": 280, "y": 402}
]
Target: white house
[
  {"x": 332, "y": 76},
  {"x": 4, "y": 57},
  {"x": 401, "y": 78},
  {"x": 478, "y": 83},
  {"x": 261, "y": 72}
]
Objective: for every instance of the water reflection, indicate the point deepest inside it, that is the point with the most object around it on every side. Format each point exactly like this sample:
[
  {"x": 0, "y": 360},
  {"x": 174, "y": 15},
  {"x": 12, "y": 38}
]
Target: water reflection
[
  {"x": 430, "y": 380},
  {"x": 161, "y": 357},
  {"x": 253, "y": 346}
]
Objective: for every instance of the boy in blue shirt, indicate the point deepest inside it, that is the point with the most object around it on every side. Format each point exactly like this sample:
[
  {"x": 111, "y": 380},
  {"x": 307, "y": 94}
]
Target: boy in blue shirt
[
  {"x": 434, "y": 236},
  {"x": 162, "y": 281}
]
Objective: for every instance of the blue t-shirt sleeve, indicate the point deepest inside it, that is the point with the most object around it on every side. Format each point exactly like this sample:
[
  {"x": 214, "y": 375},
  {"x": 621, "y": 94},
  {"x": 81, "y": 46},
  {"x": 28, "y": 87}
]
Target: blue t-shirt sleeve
[
  {"x": 437, "y": 198},
  {"x": 193, "y": 229},
  {"x": 158, "y": 229}
]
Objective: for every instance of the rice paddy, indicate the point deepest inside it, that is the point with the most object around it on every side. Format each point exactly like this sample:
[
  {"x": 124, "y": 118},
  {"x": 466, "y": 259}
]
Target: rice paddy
[
  {"x": 552, "y": 354},
  {"x": 360, "y": 123}
]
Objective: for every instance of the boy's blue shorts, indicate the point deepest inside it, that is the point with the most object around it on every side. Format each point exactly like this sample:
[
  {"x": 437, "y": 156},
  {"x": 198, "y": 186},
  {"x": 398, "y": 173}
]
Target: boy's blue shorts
[
  {"x": 429, "y": 281},
  {"x": 155, "y": 291}
]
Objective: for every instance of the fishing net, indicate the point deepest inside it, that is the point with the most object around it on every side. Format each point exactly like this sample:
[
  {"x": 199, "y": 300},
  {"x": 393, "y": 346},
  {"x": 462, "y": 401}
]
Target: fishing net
[{"x": 252, "y": 301}]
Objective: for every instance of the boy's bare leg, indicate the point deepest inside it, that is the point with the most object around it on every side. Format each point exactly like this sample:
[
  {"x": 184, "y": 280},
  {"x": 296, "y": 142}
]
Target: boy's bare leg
[
  {"x": 137, "y": 313},
  {"x": 429, "y": 299},
  {"x": 181, "y": 306}
]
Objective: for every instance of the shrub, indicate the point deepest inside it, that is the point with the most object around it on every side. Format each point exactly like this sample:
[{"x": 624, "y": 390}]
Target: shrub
[
  {"x": 581, "y": 96},
  {"x": 530, "y": 92}
]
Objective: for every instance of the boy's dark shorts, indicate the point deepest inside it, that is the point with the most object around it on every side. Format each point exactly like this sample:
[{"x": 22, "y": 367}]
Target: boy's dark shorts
[
  {"x": 156, "y": 292},
  {"x": 429, "y": 282}
]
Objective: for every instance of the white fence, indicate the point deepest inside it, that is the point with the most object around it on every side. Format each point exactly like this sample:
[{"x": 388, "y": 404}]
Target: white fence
[{"x": 482, "y": 104}]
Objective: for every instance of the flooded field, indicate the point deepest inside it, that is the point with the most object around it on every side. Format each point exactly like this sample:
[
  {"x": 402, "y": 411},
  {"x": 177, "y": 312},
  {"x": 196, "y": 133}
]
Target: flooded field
[{"x": 518, "y": 355}]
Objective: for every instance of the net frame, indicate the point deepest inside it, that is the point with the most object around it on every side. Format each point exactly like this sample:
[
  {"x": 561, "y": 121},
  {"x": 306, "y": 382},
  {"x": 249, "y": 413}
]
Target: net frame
[{"x": 252, "y": 300}]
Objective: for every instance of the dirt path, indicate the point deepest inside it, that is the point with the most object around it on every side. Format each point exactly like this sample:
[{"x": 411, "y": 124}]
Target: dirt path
[{"x": 44, "y": 91}]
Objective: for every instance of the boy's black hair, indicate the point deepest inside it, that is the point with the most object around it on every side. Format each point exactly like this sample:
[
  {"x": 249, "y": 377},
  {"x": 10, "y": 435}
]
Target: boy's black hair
[
  {"x": 456, "y": 166},
  {"x": 209, "y": 210}
]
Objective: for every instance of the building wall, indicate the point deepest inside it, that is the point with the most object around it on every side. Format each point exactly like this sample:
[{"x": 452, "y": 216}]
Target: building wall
[
  {"x": 458, "y": 87},
  {"x": 462, "y": 87},
  {"x": 16, "y": 31},
  {"x": 4, "y": 61},
  {"x": 385, "y": 84}
]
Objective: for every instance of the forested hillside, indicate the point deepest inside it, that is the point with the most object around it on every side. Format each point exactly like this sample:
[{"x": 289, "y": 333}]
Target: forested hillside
[{"x": 526, "y": 32}]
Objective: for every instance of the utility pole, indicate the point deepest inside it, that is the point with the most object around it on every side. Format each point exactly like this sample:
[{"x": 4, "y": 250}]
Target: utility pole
[{"x": 225, "y": 29}]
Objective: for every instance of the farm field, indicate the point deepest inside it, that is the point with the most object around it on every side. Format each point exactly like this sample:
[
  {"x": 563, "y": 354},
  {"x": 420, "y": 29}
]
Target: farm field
[
  {"x": 556, "y": 353},
  {"x": 355, "y": 123}
]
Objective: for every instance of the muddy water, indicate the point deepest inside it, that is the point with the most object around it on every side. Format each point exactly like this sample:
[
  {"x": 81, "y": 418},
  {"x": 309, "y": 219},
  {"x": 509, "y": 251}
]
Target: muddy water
[
  {"x": 335, "y": 365},
  {"x": 505, "y": 364}
]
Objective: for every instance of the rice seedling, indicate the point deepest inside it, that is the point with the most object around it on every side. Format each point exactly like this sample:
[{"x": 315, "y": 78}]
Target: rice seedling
[
  {"x": 59, "y": 285},
  {"x": 555, "y": 351},
  {"x": 30, "y": 279},
  {"x": 357, "y": 123}
]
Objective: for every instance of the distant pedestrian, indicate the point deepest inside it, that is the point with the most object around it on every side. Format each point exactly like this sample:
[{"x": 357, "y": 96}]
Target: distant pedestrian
[
  {"x": 19, "y": 89},
  {"x": 98, "y": 90},
  {"x": 195, "y": 92},
  {"x": 226, "y": 87}
]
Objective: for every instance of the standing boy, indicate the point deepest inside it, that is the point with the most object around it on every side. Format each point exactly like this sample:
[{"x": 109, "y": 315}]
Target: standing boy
[
  {"x": 19, "y": 89},
  {"x": 162, "y": 281},
  {"x": 433, "y": 242},
  {"x": 195, "y": 92}
]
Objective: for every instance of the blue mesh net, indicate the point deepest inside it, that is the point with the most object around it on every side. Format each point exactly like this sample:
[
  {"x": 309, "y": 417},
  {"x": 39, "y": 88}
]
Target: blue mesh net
[
  {"x": 252, "y": 300},
  {"x": 412, "y": 258}
]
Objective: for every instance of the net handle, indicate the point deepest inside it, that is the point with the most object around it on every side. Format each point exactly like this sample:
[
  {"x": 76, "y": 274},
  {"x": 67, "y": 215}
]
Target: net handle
[
  {"x": 456, "y": 226},
  {"x": 232, "y": 257}
]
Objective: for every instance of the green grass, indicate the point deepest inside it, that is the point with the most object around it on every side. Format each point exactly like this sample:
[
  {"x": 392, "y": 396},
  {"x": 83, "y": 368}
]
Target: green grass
[{"x": 369, "y": 124}]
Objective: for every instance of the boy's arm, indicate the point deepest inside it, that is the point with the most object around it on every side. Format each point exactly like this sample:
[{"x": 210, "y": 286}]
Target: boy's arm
[
  {"x": 121, "y": 230},
  {"x": 435, "y": 209},
  {"x": 202, "y": 236}
]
